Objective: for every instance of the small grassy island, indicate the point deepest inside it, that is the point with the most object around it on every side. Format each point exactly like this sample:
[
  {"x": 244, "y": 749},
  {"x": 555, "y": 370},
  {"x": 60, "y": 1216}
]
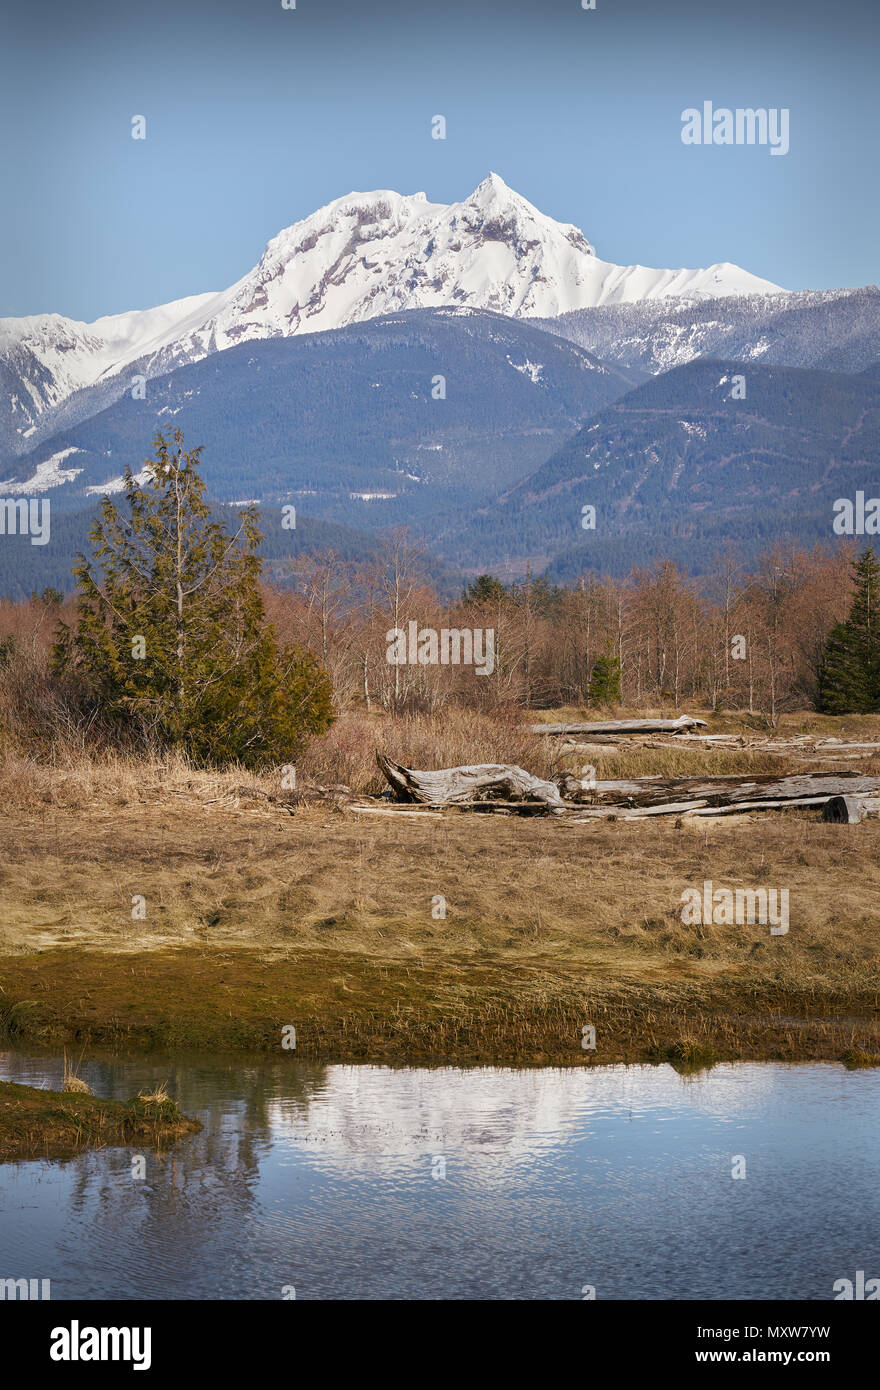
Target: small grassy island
[{"x": 36, "y": 1123}]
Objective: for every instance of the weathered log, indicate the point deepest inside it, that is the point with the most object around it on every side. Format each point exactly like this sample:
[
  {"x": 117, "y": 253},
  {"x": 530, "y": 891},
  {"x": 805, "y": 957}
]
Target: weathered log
[
  {"x": 785, "y": 804},
  {"x": 736, "y": 740},
  {"x": 695, "y": 808},
  {"x": 832, "y": 743},
  {"x": 450, "y": 786},
  {"x": 816, "y": 787},
  {"x": 493, "y": 783},
  {"x": 593, "y": 750},
  {"x": 844, "y": 810},
  {"x": 669, "y": 808},
  {"x": 624, "y": 726},
  {"x": 578, "y": 789}
]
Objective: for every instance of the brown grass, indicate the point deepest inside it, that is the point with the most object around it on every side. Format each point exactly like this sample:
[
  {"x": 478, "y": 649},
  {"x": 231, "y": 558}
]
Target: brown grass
[
  {"x": 256, "y": 918},
  {"x": 260, "y": 915},
  {"x": 451, "y": 739},
  {"x": 50, "y": 1124},
  {"x": 67, "y": 777},
  {"x": 855, "y": 1057},
  {"x": 72, "y": 1080}
]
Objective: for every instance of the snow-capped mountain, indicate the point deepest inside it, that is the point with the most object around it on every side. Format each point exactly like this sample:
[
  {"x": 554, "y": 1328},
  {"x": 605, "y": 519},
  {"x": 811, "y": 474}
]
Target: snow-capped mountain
[
  {"x": 364, "y": 255},
  {"x": 45, "y": 358}
]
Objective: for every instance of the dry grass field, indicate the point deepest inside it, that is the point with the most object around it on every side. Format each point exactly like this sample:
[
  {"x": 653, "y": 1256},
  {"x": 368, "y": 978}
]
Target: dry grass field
[{"x": 257, "y": 915}]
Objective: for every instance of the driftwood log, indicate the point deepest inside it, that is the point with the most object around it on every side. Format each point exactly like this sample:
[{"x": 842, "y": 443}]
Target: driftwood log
[
  {"x": 624, "y": 726},
  {"x": 452, "y": 786},
  {"x": 849, "y": 794},
  {"x": 816, "y": 787},
  {"x": 697, "y": 808},
  {"x": 711, "y": 796},
  {"x": 850, "y": 810}
]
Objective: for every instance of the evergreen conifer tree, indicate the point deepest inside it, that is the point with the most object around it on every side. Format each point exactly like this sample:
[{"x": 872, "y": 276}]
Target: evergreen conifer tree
[
  {"x": 171, "y": 633},
  {"x": 484, "y": 589},
  {"x": 604, "y": 687},
  {"x": 849, "y": 670}
]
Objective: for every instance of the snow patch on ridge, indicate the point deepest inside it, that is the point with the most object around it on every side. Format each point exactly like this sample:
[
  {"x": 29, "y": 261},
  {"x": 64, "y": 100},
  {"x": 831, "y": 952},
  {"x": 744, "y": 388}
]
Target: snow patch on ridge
[
  {"x": 48, "y": 474},
  {"x": 533, "y": 370},
  {"x": 114, "y": 485}
]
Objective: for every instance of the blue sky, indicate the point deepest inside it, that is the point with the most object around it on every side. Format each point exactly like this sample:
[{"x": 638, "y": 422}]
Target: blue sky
[{"x": 257, "y": 115}]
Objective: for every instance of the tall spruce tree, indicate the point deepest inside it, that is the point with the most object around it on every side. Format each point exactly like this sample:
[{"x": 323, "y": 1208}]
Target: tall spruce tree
[
  {"x": 604, "y": 687},
  {"x": 171, "y": 634},
  {"x": 849, "y": 670}
]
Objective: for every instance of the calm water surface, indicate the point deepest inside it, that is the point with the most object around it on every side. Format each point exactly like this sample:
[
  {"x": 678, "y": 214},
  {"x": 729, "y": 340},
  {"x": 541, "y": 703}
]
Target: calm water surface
[{"x": 490, "y": 1183}]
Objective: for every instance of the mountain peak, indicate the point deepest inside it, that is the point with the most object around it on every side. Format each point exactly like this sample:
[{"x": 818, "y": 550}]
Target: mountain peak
[
  {"x": 495, "y": 193},
  {"x": 494, "y": 186},
  {"x": 361, "y": 256},
  {"x": 380, "y": 252}
]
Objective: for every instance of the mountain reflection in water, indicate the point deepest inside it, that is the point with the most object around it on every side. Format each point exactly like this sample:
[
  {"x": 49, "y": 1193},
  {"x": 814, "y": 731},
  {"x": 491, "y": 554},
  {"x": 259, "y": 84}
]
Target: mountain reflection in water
[{"x": 485, "y": 1183}]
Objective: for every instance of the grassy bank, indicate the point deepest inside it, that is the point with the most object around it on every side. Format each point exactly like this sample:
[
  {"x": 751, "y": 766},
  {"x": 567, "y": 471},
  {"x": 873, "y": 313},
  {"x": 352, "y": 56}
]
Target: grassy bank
[
  {"x": 51, "y": 1124},
  {"x": 441, "y": 1007}
]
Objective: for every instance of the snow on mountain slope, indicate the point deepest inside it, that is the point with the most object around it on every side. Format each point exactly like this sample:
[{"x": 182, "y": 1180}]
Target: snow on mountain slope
[
  {"x": 105, "y": 342},
  {"x": 45, "y": 358},
  {"x": 833, "y": 330},
  {"x": 364, "y": 255},
  {"x": 376, "y": 253}
]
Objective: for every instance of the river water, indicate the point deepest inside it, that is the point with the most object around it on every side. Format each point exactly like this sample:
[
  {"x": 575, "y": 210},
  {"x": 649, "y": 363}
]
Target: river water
[{"x": 342, "y": 1182}]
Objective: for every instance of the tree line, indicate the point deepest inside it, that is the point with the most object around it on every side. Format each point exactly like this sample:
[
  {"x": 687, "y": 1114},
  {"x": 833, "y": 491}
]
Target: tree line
[
  {"x": 174, "y": 638},
  {"x": 764, "y": 637}
]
